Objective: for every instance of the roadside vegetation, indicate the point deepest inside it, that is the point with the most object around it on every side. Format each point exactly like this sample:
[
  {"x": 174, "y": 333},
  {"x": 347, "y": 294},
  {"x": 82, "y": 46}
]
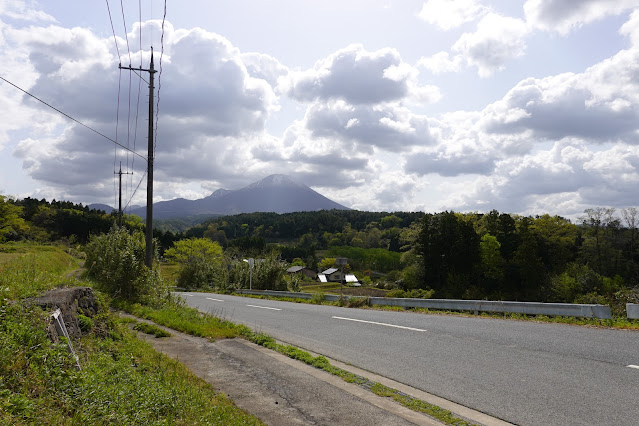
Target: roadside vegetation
[{"x": 122, "y": 380}]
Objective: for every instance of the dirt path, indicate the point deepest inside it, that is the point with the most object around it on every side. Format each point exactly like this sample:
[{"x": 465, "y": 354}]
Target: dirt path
[{"x": 279, "y": 390}]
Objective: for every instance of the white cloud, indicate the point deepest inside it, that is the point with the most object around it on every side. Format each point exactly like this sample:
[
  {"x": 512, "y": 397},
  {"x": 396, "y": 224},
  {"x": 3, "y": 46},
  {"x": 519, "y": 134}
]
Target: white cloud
[
  {"x": 388, "y": 127},
  {"x": 23, "y": 11},
  {"x": 598, "y": 104},
  {"x": 564, "y": 16},
  {"x": 205, "y": 125},
  {"x": 441, "y": 63},
  {"x": 357, "y": 76},
  {"x": 449, "y": 14},
  {"x": 497, "y": 40}
]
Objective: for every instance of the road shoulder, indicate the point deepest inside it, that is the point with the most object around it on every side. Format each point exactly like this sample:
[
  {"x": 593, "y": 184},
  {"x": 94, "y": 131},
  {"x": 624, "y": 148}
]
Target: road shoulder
[{"x": 279, "y": 390}]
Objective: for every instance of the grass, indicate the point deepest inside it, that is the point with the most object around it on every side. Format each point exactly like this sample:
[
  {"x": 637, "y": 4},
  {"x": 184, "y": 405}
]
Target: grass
[
  {"x": 151, "y": 329},
  {"x": 30, "y": 269},
  {"x": 184, "y": 319},
  {"x": 122, "y": 380}
]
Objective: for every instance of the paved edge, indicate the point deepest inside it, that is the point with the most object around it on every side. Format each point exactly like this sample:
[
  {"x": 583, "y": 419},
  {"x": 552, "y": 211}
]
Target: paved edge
[
  {"x": 457, "y": 409},
  {"x": 384, "y": 403},
  {"x": 381, "y": 402}
]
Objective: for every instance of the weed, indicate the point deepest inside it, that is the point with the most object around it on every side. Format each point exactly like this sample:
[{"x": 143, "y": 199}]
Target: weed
[{"x": 151, "y": 329}]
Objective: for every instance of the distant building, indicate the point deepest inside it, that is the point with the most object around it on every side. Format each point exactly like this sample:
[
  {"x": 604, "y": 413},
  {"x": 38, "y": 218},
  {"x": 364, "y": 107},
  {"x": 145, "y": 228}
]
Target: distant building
[
  {"x": 331, "y": 275},
  {"x": 302, "y": 270}
]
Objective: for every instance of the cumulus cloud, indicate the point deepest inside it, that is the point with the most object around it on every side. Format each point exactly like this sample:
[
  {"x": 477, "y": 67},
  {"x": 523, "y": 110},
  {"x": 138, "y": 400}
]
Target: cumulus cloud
[
  {"x": 449, "y": 14},
  {"x": 598, "y": 105},
  {"x": 564, "y": 16},
  {"x": 441, "y": 63},
  {"x": 23, "y": 11},
  {"x": 496, "y": 40},
  {"x": 357, "y": 76},
  {"x": 568, "y": 177},
  {"x": 266, "y": 67},
  {"x": 205, "y": 124},
  {"x": 387, "y": 127}
]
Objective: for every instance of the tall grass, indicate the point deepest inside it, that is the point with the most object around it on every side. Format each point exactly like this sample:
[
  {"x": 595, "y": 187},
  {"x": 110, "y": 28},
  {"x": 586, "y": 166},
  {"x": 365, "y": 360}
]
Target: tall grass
[{"x": 30, "y": 270}]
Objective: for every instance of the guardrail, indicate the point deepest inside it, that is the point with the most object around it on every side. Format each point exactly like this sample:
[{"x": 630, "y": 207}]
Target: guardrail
[
  {"x": 528, "y": 308},
  {"x": 632, "y": 309}
]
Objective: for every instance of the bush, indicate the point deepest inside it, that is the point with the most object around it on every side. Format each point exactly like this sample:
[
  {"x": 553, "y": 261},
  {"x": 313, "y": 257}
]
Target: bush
[
  {"x": 412, "y": 294},
  {"x": 116, "y": 262}
]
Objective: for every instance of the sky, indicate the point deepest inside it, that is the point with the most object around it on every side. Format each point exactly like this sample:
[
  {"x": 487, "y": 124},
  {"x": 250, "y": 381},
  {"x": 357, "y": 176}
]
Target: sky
[{"x": 527, "y": 107}]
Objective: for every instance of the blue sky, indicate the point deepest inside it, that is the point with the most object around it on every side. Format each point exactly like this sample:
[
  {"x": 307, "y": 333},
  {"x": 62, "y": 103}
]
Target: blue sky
[{"x": 527, "y": 107}]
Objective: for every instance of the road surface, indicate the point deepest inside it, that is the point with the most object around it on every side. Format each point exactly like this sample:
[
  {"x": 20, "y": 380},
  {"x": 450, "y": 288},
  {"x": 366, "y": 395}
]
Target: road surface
[{"x": 522, "y": 372}]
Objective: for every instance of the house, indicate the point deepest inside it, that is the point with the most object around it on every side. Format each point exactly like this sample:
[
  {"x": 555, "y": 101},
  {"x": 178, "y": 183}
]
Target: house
[
  {"x": 352, "y": 280},
  {"x": 302, "y": 270},
  {"x": 331, "y": 275}
]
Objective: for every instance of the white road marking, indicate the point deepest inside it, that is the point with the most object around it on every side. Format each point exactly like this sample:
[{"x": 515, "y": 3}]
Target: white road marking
[
  {"x": 215, "y": 300},
  {"x": 633, "y": 366},
  {"x": 380, "y": 323},
  {"x": 264, "y": 307},
  {"x": 189, "y": 295}
]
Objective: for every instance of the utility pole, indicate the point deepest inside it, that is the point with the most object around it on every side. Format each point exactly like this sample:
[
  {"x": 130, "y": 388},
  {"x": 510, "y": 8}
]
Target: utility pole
[
  {"x": 120, "y": 194},
  {"x": 149, "y": 174}
]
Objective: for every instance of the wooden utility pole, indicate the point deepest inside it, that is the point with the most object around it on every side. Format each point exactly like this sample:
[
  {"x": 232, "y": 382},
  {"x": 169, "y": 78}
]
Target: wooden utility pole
[
  {"x": 120, "y": 194},
  {"x": 149, "y": 173}
]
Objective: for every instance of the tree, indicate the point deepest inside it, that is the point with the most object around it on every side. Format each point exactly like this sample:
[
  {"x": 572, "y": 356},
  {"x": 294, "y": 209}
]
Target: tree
[
  {"x": 327, "y": 262},
  {"x": 11, "y": 223},
  {"x": 491, "y": 260},
  {"x": 449, "y": 247},
  {"x": 200, "y": 259}
]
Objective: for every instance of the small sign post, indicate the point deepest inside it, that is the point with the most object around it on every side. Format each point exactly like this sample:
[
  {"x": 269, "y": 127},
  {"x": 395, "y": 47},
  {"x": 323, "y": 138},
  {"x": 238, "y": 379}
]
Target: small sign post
[{"x": 341, "y": 261}]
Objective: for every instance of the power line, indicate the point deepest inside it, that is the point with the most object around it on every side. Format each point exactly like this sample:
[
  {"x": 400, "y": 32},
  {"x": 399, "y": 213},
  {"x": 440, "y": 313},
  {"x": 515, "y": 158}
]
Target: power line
[
  {"x": 117, "y": 49},
  {"x": 71, "y": 118},
  {"x": 126, "y": 33},
  {"x": 136, "y": 190},
  {"x": 157, "y": 107}
]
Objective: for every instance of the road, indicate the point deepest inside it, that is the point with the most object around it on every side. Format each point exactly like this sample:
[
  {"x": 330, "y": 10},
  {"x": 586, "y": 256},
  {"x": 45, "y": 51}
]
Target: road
[{"x": 522, "y": 372}]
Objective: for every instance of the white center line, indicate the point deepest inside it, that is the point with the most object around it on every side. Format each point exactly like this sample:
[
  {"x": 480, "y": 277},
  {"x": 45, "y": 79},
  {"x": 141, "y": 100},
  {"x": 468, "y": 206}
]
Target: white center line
[
  {"x": 189, "y": 295},
  {"x": 633, "y": 366},
  {"x": 215, "y": 300},
  {"x": 380, "y": 323},
  {"x": 264, "y": 307}
]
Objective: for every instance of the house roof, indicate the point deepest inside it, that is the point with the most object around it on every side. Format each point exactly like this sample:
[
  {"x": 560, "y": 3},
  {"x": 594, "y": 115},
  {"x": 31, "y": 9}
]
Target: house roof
[
  {"x": 322, "y": 278},
  {"x": 329, "y": 271},
  {"x": 293, "y": 269},
  {"x": 351, "y": 279}
]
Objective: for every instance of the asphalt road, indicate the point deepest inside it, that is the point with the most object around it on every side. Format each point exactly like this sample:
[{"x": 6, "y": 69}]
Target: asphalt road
[{"x": 522, "y": 372}]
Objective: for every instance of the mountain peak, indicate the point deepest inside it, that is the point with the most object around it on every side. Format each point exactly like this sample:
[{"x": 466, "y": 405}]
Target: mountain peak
[{"x": 275, "y": 180}]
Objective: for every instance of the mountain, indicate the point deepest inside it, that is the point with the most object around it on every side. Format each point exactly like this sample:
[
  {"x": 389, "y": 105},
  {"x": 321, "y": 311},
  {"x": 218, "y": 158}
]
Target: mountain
[
  {"x": 275, "y": 193},
  {"x": 107, "y": 208},
  {"x": 98, "y": 206}
]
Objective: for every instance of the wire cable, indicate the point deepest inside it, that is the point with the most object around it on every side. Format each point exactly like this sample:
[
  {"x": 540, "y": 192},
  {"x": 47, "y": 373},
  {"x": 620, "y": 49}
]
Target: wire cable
[
  {"x": 117, "y": 49},
  {"x": 73, "y": 119},
  {"x": 126, "y": 33},
  {"x": 136, "y": 190},
  {"x": 157, "y": 104}
]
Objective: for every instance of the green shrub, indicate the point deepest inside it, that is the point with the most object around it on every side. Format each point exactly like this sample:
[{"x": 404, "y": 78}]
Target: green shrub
[
  {"x": 317, "y": 298},
  {"x": 116, "y": 262},
  {"x": 86, "y": 323}
]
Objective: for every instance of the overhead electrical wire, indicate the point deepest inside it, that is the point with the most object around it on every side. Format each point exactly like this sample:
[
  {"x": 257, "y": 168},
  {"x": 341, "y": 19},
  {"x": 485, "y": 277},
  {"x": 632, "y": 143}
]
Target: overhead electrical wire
[
  {"x": 157, "y": 105},
  {"x": 73, "y": 119}
]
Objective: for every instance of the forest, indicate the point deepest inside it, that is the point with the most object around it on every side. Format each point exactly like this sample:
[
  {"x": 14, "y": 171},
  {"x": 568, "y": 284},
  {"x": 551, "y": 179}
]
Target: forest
[{"x": 495, "y": 256}]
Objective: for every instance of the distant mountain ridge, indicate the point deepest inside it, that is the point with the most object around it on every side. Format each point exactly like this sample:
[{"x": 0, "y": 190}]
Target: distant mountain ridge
[{"x": 275, "y": 193}]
